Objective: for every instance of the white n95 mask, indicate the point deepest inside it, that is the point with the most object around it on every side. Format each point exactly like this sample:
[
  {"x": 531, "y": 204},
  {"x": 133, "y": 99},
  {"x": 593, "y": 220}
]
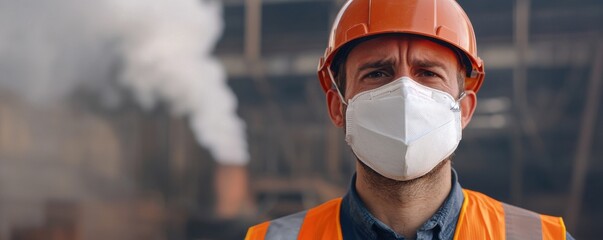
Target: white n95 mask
[{"x": 403, "y": 129}]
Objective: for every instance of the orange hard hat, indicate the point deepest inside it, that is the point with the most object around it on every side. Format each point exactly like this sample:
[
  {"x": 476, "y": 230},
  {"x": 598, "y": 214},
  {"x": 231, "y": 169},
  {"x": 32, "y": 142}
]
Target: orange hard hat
[{"x": 442, "y": 20}]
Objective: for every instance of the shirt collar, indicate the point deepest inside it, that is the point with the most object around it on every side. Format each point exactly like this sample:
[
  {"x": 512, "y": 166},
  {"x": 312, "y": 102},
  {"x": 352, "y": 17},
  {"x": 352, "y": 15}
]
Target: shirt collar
[{"x": 442, "y": 224}]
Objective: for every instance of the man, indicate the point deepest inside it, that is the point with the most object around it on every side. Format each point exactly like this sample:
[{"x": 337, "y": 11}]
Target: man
[{"x": 401, "y": 78}]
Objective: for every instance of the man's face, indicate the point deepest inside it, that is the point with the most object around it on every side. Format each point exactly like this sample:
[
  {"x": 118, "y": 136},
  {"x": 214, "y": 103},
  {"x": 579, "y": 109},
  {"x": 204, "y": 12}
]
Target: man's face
[{"x": 378, "y": 61}]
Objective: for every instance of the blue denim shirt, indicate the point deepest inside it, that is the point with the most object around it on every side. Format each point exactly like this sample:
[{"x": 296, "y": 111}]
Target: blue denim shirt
[{"x": 358, "y": 223}]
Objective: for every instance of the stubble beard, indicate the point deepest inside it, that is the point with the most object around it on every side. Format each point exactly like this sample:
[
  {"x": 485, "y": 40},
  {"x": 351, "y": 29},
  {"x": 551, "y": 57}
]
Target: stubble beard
[{"x": 396, "y": 190}]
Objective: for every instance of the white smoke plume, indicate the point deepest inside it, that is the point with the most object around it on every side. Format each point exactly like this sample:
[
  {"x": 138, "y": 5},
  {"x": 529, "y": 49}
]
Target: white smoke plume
[{"x": 163, "y": 48}]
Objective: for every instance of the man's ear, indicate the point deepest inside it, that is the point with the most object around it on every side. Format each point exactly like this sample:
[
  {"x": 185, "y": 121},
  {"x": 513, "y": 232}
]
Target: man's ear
[
  {"x": 468, "y": 104},
  {"x": 335, "y": 107}
]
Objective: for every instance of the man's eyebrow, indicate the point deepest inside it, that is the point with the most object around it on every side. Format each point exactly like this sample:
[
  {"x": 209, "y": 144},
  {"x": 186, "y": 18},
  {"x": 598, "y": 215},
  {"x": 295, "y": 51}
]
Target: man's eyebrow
[
  {"x": 379, "y": 63},
  {"x": 426, "y": 63}
]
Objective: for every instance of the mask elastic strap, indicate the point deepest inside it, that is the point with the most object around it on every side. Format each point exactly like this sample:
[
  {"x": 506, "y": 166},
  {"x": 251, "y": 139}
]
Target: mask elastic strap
[
  {"x": 456, "y": 106},
  {"x": 336, "y": 87}
]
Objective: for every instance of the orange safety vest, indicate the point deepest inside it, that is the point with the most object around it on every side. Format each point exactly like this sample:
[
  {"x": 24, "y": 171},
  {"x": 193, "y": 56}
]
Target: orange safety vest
[{"x": 481, "y": 217}]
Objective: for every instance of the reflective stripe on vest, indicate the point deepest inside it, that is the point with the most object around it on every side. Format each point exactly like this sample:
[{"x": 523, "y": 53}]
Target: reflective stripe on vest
[
  {"x": 321, "y": 222},
  {"x": 286, "y": 228},
  {"x": 481, "y": 217},
  {"x": 521, "y": 223}
]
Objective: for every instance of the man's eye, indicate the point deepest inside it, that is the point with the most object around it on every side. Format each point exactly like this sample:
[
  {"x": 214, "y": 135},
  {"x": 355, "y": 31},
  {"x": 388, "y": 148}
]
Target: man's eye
[
  {"x": 376, "y": 74},
  {"x": 426, "y": 73}
]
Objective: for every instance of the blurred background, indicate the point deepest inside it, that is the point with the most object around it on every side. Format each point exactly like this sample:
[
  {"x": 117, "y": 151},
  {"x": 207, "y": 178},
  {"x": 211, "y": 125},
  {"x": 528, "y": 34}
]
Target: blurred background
[{"x": 194, "y": 119}]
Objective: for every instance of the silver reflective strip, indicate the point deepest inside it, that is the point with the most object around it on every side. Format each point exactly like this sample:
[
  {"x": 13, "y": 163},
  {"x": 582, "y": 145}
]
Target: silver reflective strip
[
  {"x": 521, "y": 224},
  {"x": 286, "y": 227}
]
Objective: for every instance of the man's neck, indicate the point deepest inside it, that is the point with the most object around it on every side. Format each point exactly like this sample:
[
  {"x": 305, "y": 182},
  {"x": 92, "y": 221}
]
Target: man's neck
[{"x": 404, "y": 205}]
